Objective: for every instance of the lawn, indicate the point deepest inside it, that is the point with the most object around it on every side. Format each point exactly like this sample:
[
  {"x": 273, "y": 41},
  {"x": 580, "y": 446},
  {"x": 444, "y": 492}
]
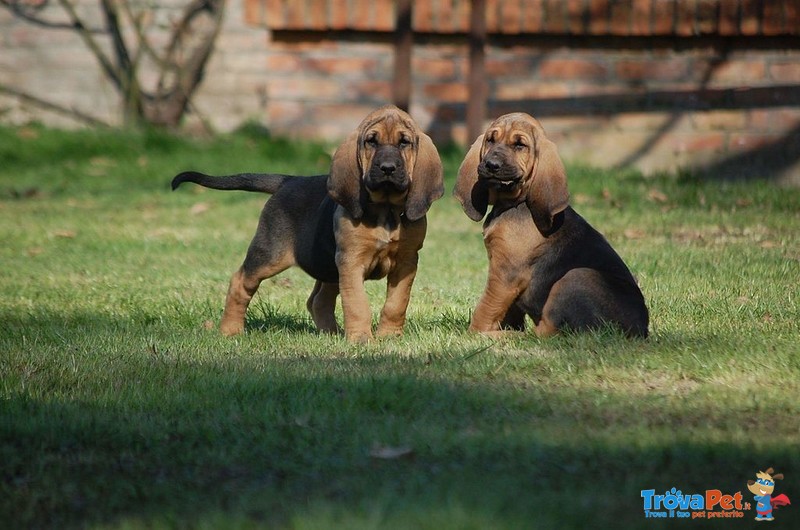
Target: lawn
[{"x": 121, "y": 406}]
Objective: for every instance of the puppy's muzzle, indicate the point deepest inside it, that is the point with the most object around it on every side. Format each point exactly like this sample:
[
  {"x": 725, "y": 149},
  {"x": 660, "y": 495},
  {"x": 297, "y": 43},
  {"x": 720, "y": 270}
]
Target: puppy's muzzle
[
  {"x": 497, "y": 174},
  {"x": 388, "y": 176}
]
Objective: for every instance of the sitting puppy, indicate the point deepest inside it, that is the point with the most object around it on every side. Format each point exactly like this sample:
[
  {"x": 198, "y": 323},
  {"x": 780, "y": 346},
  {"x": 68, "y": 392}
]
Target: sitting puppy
[
  {"x": 364, "y": 221},
  {"x": 544, "y": 259}
]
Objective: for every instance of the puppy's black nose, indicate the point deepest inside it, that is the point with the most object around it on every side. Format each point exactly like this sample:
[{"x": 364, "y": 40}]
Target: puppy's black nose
[
  {"x": 492, "y": 164},
  {"x": 388, "y": 168}
]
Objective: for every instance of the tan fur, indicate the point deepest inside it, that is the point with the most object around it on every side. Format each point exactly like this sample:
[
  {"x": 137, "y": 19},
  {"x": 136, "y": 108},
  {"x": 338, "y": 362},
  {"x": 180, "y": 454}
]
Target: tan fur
[
  {"x": 378, "y": 233},
  {"x": 534, "y": 240}
]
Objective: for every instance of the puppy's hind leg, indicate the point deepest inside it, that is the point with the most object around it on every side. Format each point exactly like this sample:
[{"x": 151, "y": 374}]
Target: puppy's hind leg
[
  {"x": 258, "y": 266},
  {"x": 322, "y": 305}
]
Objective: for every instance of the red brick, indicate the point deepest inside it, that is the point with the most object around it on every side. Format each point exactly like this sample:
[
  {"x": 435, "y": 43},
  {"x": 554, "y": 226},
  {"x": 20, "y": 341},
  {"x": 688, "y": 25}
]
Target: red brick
[
  {"x": 511, "y": 16},
  {"x": 664, "y": 70},
  {"x": 650, "y": 121},
  {"x": 446, "y": 20},
  {"x": 533, "y": 16},
  {"x": 719, "y": 120},
  {"x": 383, "y": 15},
  {"x": 621, "y": 15},
  {"x": 338, "y": 65},
  {"x": 523, "y": 90},
  {"x": 642, "y": 21},
  {"x": 507, "y": 66},
  {"x": 751, "y": 141},
  {"x": 337, "y": 11},
  {"x": 664, "y": 17},
  {"x": 282, "y": 62},
  {"x": 698, "y": 142},
  {"x": 773, "y": 18},
  {"x": 738, "y": 73},
  {"x": 422, "y": 16},
  {"x": 294, "y": 88},
  {"x": 577, "y": 17},
  {"x": 492, "y": 16},
  {"x": 274, "y": 14},
  {"x": 773, "y": 120},
  {"x": 598, "y": 17},
  {"x": 447, "y": 92},
  {"x": 435, "y": 68},
  {"x": 296, "y": 16},
  {"x": 372, "y": 90},
  {"x": 685, "y": 19},
  {"x": 785, "y": 72},
  {"x": 317, "y": 13},
  {"x": 707, "y": 21},
  {"x": 792, "y": 17},
  {"x": 555, "y": 21},
  {"x": 750, "y": 23},
  {"x": 285, "y": 112},
  {"x": 461, "y": 16},
  {"x": 572, "y": 69},
  {"x": 253, "y": 12},
  {"x": 729, "y": 18}
]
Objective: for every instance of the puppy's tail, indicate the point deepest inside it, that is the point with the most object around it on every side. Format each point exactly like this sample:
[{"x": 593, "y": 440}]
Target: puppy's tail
[{"x": 261, "y": 182}]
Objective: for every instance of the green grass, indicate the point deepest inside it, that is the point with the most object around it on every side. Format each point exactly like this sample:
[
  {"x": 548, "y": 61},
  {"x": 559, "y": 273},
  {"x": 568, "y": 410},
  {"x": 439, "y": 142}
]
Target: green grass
[{"x": 120, "y": 409}]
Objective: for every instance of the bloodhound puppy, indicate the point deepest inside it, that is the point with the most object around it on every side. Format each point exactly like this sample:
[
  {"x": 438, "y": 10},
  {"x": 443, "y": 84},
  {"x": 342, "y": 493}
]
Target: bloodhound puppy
[
  {"x": 545, "y": 260},
  {"x": 363, "y": 221}
]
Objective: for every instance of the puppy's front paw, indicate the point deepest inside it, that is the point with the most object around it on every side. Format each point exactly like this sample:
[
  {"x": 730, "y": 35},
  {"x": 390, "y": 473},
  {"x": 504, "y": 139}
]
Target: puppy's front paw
[
  {"x": 229, "y": 328},
  {"x": 387, "y": 331},
  {"x": 359, "y": 337}
]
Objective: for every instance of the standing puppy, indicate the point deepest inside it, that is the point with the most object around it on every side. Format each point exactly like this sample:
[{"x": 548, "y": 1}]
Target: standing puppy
[
  {"x": 544, "y": 259},
  {"x": 364, "y": 221}
]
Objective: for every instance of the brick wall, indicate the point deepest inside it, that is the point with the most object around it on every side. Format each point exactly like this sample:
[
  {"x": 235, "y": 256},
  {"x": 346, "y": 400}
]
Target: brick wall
[
  {"x": 48, "y": 75},
  {"x": 658, "y": 84}
]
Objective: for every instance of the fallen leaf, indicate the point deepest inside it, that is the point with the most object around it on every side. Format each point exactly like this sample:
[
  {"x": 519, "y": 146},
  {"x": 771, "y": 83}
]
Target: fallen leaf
[
  {"x": 743, "y": 203},
  {"x": 27, "y": 133},
  {"x": 208, "y": 325},
  {"x": 35, "y": 251},
  {"x": 581, "y": 198},
  {"x": 199, "y": 208},
  {"x": 769, "y": 244},
  {"x": 657, "y": 196},
  {"x": 634, "y": 233},
  {"x": 390, "y": 453},
  {"x": 69, "y": 234}
]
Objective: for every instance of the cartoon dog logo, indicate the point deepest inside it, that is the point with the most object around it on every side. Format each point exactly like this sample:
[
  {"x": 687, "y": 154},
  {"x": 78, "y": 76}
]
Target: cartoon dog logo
[{"x": 762, "y": 488}]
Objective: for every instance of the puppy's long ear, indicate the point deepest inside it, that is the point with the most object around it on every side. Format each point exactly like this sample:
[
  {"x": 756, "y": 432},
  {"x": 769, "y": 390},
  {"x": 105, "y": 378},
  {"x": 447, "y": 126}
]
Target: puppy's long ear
[
  {"x": 427, "y": 181},
  {"x": 548, "y": 195},
  {"x": 470, "y": 192},
  {"x": 344, "y": 182}
]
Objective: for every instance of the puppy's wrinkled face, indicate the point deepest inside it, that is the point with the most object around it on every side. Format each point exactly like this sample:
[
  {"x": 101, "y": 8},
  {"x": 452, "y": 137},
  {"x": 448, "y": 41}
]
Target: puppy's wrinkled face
[
  {"x": 387, "y": 153},
  {"x": 507, "y": 157}
]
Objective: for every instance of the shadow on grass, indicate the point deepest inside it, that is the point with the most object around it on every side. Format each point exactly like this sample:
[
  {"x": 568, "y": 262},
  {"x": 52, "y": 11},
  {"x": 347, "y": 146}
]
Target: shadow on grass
[{"x": 190, "y": 439}]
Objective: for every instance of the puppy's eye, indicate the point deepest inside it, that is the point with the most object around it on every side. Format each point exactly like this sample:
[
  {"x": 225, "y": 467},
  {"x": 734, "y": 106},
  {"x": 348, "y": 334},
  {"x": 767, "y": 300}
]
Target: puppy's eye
[
  {"x": 519, "y": 145},
  {"x": 371, "y": 141},
  {"x": 404, "y": 142}
]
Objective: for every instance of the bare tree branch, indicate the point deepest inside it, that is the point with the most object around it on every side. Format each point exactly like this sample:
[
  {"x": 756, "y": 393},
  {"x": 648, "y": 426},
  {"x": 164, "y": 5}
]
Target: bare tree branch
[
  {"x": 179, "y": 65},
  {"x": 91, "y": 43},
  {"x": 53, "y": 107},
  {"x": 29, "y": 12}
]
